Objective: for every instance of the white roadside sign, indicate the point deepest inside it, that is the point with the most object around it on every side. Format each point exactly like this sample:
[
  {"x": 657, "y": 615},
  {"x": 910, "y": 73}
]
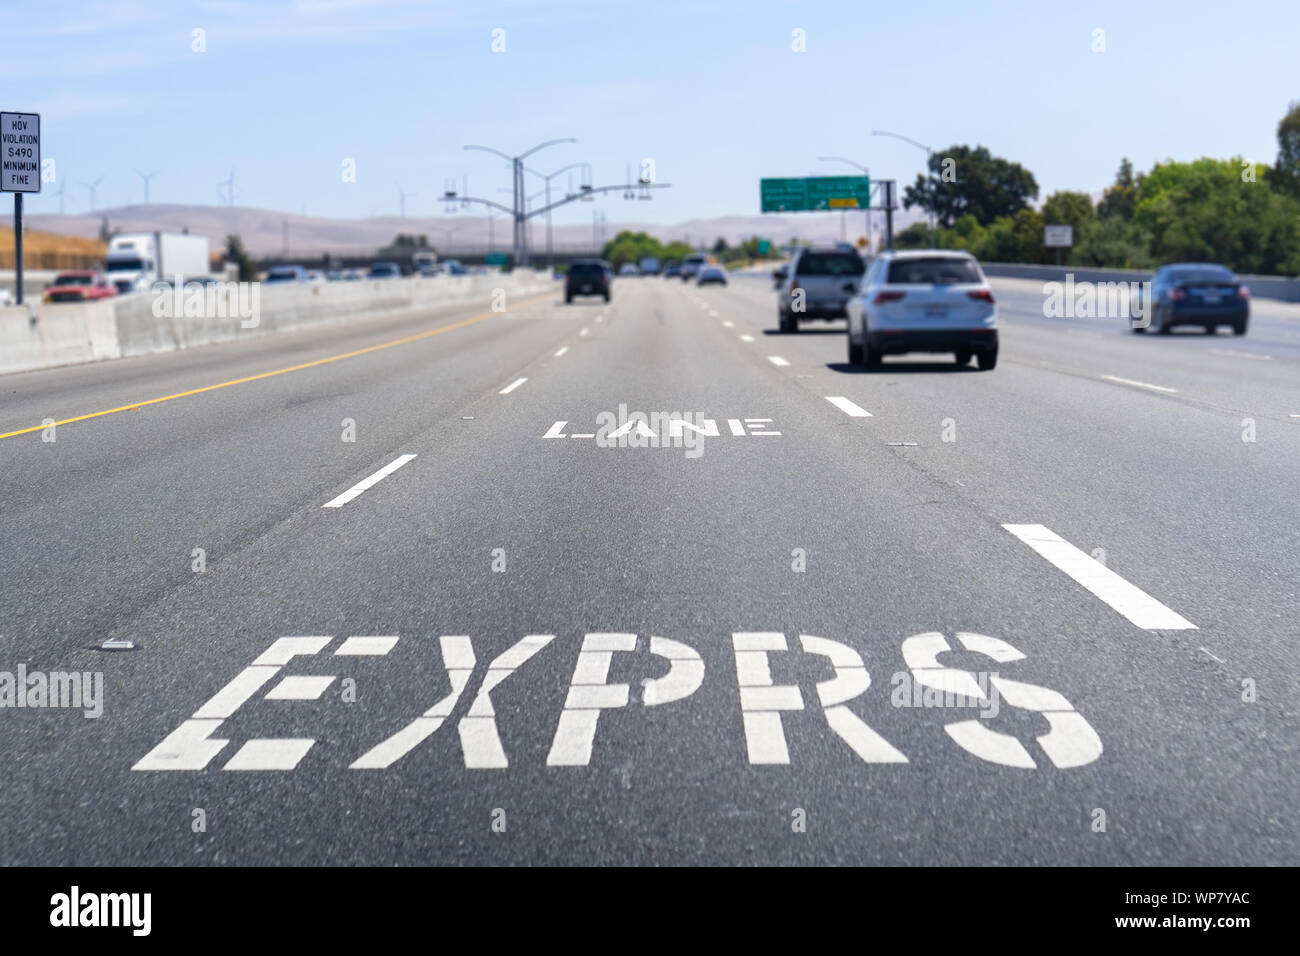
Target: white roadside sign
[
  {"x": 1058, "y": 237},
  {"x": 20, "y": 152}
]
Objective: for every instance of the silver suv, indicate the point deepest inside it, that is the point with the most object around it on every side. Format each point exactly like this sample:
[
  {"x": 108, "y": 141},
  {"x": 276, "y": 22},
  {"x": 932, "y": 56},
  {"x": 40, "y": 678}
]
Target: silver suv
[{"x": 817, "y": 285}]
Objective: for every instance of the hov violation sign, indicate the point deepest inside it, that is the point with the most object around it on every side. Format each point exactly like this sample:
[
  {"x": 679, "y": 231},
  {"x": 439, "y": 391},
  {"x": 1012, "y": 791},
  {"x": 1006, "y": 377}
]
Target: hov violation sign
[{"x": 20, "y": 152}]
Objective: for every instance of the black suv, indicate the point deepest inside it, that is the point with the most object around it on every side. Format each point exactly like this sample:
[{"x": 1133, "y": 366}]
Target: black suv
[{"x": 586, "y": 277}]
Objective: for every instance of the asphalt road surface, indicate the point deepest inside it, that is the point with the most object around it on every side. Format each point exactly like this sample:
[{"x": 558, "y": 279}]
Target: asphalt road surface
[{"x": 570, "y": 630}]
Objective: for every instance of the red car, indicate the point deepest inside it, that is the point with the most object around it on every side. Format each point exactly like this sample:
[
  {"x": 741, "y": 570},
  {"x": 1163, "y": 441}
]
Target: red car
[{"x": 79, "y": 287}]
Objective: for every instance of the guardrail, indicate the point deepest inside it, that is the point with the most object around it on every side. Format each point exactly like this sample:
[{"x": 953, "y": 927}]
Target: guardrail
[
  {"x": 36, "y": 336},
  {"x": 1262, "y": 287}
]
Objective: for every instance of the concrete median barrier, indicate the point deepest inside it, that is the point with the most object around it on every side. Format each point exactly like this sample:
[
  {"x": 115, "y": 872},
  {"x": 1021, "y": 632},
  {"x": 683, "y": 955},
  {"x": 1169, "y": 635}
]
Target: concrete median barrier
[{"x": 36, "y": 336}]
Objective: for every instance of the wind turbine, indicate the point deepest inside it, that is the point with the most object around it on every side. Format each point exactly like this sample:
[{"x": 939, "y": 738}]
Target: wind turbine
[
  {"x": 62, "y": 188},
  {"x": 92, "y": 187},
  {"x": 230, "y": 188},
  {"x": 402, "y": 194},
  {"x": 146, "y": 177}
]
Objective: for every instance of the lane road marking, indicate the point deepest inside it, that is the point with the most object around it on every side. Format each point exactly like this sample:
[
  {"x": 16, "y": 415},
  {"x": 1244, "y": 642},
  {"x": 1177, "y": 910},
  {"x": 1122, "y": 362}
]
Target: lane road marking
[
  {"x": 370, "y": 482},
  {"x": 777, "y": 360},
  {"x": 1128, "y": 599},
  {"x": 512, "y": 386}
]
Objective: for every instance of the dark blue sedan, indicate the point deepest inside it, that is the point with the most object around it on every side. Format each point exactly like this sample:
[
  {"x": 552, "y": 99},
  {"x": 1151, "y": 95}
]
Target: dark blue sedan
[{"x": 1197, "y": 293}]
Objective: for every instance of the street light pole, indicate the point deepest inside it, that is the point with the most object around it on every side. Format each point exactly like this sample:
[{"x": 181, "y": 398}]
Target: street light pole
[
  {"x": 517, "y": 181},
  {"x": 550, "y": 257},
  {"x": 934, "y": 192}
]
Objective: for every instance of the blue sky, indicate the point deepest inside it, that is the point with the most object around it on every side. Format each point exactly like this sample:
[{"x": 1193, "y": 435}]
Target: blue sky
[{"x": 712, "y": 92}]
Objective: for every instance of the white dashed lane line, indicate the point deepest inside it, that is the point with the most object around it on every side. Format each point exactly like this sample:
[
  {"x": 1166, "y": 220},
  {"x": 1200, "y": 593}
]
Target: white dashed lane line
[
  {"x": 1128, "y": 599},
  {"x": 750, "y": 338},
  {"x": 777, "y": 361},
  {"x": 370, "y": 482},
  {"x": 512, "y": 386},
  {"x": 1135, "y": 384},
  {"x": 849, "y": 408},
  {"x": 561, "y": 351},
  {"x": 1246, "y": 355}
]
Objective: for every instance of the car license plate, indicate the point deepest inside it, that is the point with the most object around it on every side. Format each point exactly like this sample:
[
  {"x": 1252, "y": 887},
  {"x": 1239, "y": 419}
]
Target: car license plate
[
  {"x": 1210, "y": 299},
  {"x": 936, "y": 311},
  {"x": 586, "y": 288}
]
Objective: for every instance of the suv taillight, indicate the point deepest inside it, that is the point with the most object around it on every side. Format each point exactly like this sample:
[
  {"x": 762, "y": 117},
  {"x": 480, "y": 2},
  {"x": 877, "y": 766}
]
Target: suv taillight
[
  {"x": 983, "y": 295},
  {"x": 1243, "y": 292},
  {"x": 1177, "y": 295},
  {"x": 883, "y": 297}
]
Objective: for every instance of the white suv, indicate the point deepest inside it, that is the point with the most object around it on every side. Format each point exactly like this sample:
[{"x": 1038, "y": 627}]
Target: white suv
[{"x": 923, "y": 300}]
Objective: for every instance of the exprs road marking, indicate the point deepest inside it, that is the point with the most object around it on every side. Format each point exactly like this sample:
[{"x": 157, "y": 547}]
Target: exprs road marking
[
  {"x": 766, "y": 707},
  {"x": 261, "y": 375}
]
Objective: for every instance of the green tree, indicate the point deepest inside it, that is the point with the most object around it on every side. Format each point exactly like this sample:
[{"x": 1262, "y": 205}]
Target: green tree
[
  {"x": 1069, "y": 209},
  {"x": 1017, "y": 238},
  {"x": 1211, "y": 210},
  {"x": 1114, "y": 242},
  {"x": 236, "y": 253},
  {"x": 720, "y": 247},
  {"x": 1286, "y": 174},
  {"x": 915, "y": 236},
  {"x": 966, "y": 233},
  {"x": 970, "y": 180},
  {"x": 1120, "y": 198},
  {"x": 631, "y": 247}
]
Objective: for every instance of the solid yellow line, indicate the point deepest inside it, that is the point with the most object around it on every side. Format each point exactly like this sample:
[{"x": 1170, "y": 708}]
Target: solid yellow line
[{"x": 261, "y": 375}]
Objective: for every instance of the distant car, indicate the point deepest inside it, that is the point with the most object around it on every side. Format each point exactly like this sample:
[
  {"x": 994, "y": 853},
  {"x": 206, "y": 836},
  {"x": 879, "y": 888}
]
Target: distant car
[
  {"x": 780, "y": 274},
  {"x": 628, "y": 269},
  {"x": 817, "y": 285},
  {"x": 673, "y": 269},
  {"x": 712, "y": 275},
  {"x": 277, "y": 274},
  {"x": 586, "y": 277},
  {"x": 6, "y": 297},
  {"x": 923, "y": 301},
  {"x": 384, "y": 270},
  {"x": 79, "y": 286},
  {"x": 648, "y": 266},
  {"x": 454, "y": 268},
  {"x": 1197, "y": 293},
  {"x": 315, "y": 275},
  {"x": 429, "y": 271},
  {"x": 691, "y": 265}
]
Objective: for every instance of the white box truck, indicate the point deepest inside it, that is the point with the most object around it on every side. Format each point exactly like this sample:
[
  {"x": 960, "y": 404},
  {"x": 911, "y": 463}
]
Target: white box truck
[{"x": 137, "y": 260}]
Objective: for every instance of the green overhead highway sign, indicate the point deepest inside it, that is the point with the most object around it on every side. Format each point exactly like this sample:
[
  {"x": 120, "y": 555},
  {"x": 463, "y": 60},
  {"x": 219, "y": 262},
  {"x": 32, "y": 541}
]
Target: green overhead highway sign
[
  {"x": 815, "y": 193},
  {"x": 784, "y": 195}
]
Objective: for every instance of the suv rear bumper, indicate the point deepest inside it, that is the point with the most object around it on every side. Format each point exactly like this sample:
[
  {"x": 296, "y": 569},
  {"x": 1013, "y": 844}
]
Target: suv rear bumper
[{"x": 894, "y": 342}]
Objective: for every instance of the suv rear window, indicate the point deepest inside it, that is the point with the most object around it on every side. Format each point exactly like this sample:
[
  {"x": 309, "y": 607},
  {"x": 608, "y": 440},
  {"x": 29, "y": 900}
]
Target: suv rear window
[
  {"x": 830, "y": 264},
  {"x": 586, "y": 270},
  {"x": 937, "y": 270}
]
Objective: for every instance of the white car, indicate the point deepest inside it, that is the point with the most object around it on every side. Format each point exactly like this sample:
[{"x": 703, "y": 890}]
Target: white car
[
  {"x": 923, "y": 300},
  {"x": 6, "y": 297}
]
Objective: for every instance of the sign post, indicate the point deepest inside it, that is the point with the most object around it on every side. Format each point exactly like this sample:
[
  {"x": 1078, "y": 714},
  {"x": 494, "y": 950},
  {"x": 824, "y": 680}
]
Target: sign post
[
  {"x": 20, "y": 172},
  {"x": 1058, "y": 238}
]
